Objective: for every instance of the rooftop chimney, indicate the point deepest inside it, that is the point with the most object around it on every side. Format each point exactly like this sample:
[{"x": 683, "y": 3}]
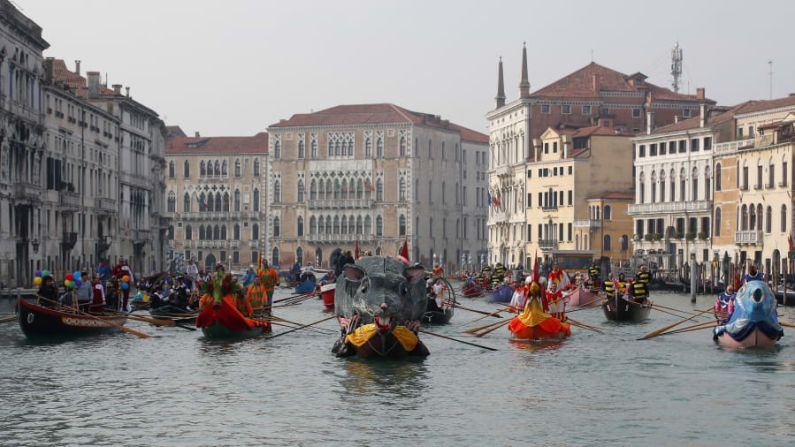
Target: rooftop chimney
[
  {"x": 93, "y": 83},
  {"x": 196, "y": 134},
  {"x": 117, "y": 89},
  {"x": 77, "y": 66},
  {"x": 594, "y": 82},
  {"x": 48, "y": 69},
  {"x": 703, "y": 110},
  {"x": 676, "y": 118},
  {"x": 127, "y": 91},
  {"x": 701, "y": 93}
]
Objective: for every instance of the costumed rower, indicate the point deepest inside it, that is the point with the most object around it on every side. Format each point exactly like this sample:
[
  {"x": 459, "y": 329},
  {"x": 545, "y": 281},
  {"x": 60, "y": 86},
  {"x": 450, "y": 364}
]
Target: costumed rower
[
  {"x": 269, "y": 278},
  {"x": 595, "y": 275},
  {"x": 724, "y": 305},
  {"x": 753, "y": 274},
  {"x": 639, "y": 291},
  {"x": 555, "y": 301},
  {"x": 534, "y": 323},
  {"x": 519, "y": 297},
  {"x": 610, "y": 285}
]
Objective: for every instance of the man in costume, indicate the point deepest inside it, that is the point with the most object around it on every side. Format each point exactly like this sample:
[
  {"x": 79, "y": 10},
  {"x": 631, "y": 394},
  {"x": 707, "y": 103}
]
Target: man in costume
[
  {"x": 559, "y": 278},
  {"x": 753, "y": 274},
  {"x": 534, "y": 322},
  {"x": 520, "y": 295},
  {"x": 595, "y": 275},
  {"x": 555, "y": 301},
  {"x": 643, "y": 275},
  {"x": 269, "y": 278},
  {"x": 724, "y": 305},
  {"x": 639, "y": 291}
]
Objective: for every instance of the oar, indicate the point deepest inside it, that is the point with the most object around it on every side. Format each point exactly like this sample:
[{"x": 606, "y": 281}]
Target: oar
[
  {"x": 485, "y": 326},
  {"x": 653, "y": 334},
  {"x": 495, "y": 314},
  {"x": 108, "y": 322},
  {"x": 152, "y": 321},
  {"x": 702, "y": 324},
  {"x": 484, "y": 313},
  {"x": 686, "y": 312},
  {"x": 290, "y": 324},
  {"x": 679, "y": 331},
  {"x": 8, "y": 319},
  {"x": 289, "y": 297},
  {"x": 302, "y": 327},
  {"x": 583, "y": 325},
  {"x": 502, "y": 323},
  {"x": 455, "y": 339},
  {"x": 787, "y": 324}
]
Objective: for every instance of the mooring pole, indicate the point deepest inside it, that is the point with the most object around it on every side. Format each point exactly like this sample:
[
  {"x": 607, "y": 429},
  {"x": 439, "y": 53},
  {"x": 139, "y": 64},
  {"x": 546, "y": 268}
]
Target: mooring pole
[{"x": 693, "y": 277}]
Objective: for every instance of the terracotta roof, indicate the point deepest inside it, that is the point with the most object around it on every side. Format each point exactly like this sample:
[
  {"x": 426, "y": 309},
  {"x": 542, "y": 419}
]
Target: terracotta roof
[
  {"x": 615, "y": 195},
  {"x": 383, "y": 113},
  {"x": 600, "y": 131},
  {"x": 580, "y": 84},
  {"x": 76, "y": 83},
  {"x": 257, "y": 144},
  {"x": 728, "y": 114},
  {"x": 758, "y": 106},
  {"x": 174, "y": 131}
]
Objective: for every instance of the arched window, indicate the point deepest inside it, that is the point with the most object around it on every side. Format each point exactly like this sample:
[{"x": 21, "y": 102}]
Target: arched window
[
  {"x": 255, "y": 230},
  {"x": 751, "y": 217},
  {"x": 237, "y": 200},
  {"x": 172, "y": 202},
  {"x": 368, "y": 147},
  {"x": 186, "y": 203},
  {"x": 328, "y": 224},
  {"x": 299, "y": 256},
  {"x": 694, "y": 184},
  {"x": 223, "y": 232},
  {"x": 359, "y": 226},
  {"x": 663, "y": 198},
  {"x": 403, "y": 146},
  {"x": 218, "y": 202},
  {"x": 379, "y": 147},
  {"x": 624, "y": 242},
  {"x": 188, "y": 232},
  {"x": 744, "y": 218},
  {"x": 336, "y": 229},
  {"x": 236, "y": 232},
  {"x": 321, "y": 190},
  {"x": 320, "y": 225},
  {"x": 682, "y": 185},
  {"x": 653, "y": 186},
  {"x": 300, "y": 226},
  {"x": 351, "y": 225},
  {"x": 256, "y": 199},
  {"x": 608, "y": 213},
  {"x": 277, "y": 227},
  {"x": 641, "y": 188},
  {"x": 201, "y": 233},
  {"x": 402, "y": 189},
  {"x": 717, "y": 178},
  {"x": 202, "y": 170},
  {"x": 226, "y": 201},
  {"x": 170, "y": 234},
  {"x": 256, "y": 167},
  {"x": 312, "y": 225},
  {"x": 707, "y": 184},
  {"x": 223, "y": 168},
  {"x": 314, "y": 149},
  {"x": 379, "y": 190},
  {"x": 186, "y": 169},
  {"x": 217, "y": 233},
  {"x": 237, "y": 167},
  {"x": 344, "y": 225},
  {"x": 329, "y": 188},
  {"x": 277, "y": 149},
  {"x": 313, "y": 190},
  {"x": 718, "y": 219},
  {"x": 170, "y": 169},
  {"x": 606, "y": 243},
  {"x": 784, "y": 218},
  {"x": 338, "y": 148},
  {"x": 768, "y": 219},
  {"x": 402, "y": 225},
  {"x": 759, "y": 217},
  {"x": 379, "y": 226},
  {"x": 300, "y": 191},
  {"x": 368, "y": 226},
  {"x": 672, "y": 180},
  {"x": 275, "y": 257},
  {"x": 210, "y": 202},
  {"x": 300, "y": 148},
  {"x": 350, "y": 148},
  {"x": 359, "y": 189}
]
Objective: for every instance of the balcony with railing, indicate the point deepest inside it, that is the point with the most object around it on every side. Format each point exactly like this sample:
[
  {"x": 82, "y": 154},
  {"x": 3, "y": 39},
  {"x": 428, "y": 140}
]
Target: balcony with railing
[
  {"x": 69, "y": 239},
  {"x": 340, "y": 203},
  {"x": 69, "y": 201},
  {"x": 548, "y": 244},
  {"x": 587, "y": 223},
  {"x": 105, "y": 205},
  {"x": 670, "y": 207},
  {"x": 731, "y": 146},
  {"x": 347, "y": 237},
  {"x": 750, "y": 237},
  {"x": 25, "y": 191}
]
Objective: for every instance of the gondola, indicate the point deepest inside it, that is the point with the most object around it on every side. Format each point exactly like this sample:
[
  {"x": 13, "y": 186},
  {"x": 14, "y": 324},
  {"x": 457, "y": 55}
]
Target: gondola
[
  {"x": 623, "y": 309},
  {"x": 40, "y": 321},
  {"x": 472, "y": 290},
  {"x": 438, "y": 316},
  {"x": 582, "y": 297},
  {"x": 502, "y": 294},
  {"x": 218, "y": 331}
]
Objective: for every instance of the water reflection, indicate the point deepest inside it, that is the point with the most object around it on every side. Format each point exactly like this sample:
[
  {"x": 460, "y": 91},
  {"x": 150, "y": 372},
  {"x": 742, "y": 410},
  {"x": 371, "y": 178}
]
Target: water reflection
[
  {"x": 537, "y": 345},
  {"x": 403, "y": 378}
]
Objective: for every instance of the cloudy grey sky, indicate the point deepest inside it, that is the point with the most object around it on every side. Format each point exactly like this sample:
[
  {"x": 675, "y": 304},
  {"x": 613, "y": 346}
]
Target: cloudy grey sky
[{"x": 233, "y": 67}]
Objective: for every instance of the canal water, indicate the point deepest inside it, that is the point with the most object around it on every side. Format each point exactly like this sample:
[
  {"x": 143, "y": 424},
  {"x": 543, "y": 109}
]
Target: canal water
[{"x": 177, "y": 389}]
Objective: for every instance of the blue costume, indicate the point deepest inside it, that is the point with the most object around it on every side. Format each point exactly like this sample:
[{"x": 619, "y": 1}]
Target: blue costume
[
  {"x": 749, "y": 277},
  {"x": 754, "y": 308}
]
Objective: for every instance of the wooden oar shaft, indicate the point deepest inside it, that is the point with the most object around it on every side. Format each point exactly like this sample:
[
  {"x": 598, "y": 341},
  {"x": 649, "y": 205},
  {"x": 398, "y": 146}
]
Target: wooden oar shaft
[
  {"x": 302, "y": 327},
  {"x": 495, "y": 314},
  {"x": 8, "y": 319},
  {"x": 457, "y": 340},
  {"x": 584, "y": 326},
  {"x": 679, "y": 331},
  {"x": 697, "y": 325},
  {"x": 485, "y": 326},
  {"x": 790, "y": 325},
  {"x": 661, "y": 330},
  {"x": 289, "y": 297},
  {"x": 502, "y": 323}
]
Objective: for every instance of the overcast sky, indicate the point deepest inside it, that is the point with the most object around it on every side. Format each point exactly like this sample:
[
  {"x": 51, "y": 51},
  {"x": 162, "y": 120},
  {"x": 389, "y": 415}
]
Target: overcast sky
[{"x": 233, "y": 67}]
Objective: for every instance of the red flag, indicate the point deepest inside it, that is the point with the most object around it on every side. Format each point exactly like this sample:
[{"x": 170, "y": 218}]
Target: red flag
[
  {"x": 536, "y": 273},
  {"x": 356, "y": 253},
  {"x": 405, "y": 250}
]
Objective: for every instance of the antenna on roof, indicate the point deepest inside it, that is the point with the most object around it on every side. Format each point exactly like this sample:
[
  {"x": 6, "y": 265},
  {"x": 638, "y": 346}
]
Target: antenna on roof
[
  {"x": 770, "y": 74},
  {"x": 676, "y": 67}
]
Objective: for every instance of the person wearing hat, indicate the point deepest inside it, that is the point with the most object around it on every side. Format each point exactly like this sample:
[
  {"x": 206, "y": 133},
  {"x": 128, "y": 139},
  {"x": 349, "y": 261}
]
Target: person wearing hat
[{"x": 48, "y": 291}]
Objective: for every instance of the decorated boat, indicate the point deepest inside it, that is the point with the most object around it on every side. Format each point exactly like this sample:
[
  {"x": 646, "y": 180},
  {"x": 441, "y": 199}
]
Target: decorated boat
[
  {"x": 438, "y": 316},
  {"x": 41, "y": 321},
  {"x": 536, "y": 324},
  {"x": 754, "y": 321},
  {"x": 220, "y": 316},
  {"x": 472, "y": 290},
  {"x": 327, "y": 295},
  {"x": 501, "y": 294},
  {"x": 582, "y": 297},
  {"x": 379, "y": 302},
  {"x": 625, "y": 309}
]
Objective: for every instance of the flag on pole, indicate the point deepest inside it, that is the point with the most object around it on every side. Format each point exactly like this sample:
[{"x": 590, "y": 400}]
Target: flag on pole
[
  {"x": 356, "y": 253},
  {"x": 536, "y": 273},
  {"x": 405, "y": 250},
  {"x": 488, "y": 198}
]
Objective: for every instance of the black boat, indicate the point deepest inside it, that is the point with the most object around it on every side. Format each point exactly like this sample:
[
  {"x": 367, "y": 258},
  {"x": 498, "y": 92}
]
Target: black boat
[
  {"x": 622, "y": 309},
  {"x": 178, "y": 314},
  {"x": 438, "y": 316},
  {"x": 38, "y": 321}
]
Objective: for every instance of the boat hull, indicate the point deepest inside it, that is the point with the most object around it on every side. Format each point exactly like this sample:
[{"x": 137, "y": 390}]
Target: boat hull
[
  {"x": 327, "y": 295},
  {"x": 623, "y": 310},
  {"x": 756, "y": 339},
  {"x": 582, "y": 297},
  {"x": 501, "y": 295},
  {"x": 537, "y": 334},
  {"x": 39, "y": 321},
  {"x": 472, "y": 291},
  {"x": 307, "y": 286},
  {"x": 438, "y": 317},
  {"x": 217, "y": 331}
]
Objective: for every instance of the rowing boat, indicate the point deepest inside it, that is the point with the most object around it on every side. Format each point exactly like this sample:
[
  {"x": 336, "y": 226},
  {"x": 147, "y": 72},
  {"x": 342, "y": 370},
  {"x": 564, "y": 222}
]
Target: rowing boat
[{"x": 40, "y": 321}]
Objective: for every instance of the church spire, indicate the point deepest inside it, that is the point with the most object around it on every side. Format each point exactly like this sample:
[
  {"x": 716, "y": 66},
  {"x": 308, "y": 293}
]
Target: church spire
[
  {"x": 500, "y": 86},
  {"x": 524, "y": 84}
]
